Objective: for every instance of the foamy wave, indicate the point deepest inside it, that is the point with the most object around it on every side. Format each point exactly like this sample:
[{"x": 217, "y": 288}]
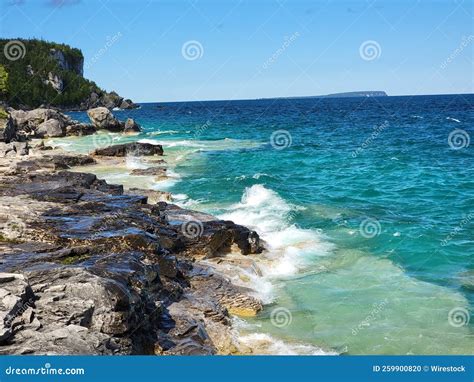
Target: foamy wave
[
  {"x": 153, "y": 133},
  {"x": 453, "y": 119},
  {"x": 290, "y": 248},
  {"x": 263, "y": 344},
  {"x": 221, "y": 144}
]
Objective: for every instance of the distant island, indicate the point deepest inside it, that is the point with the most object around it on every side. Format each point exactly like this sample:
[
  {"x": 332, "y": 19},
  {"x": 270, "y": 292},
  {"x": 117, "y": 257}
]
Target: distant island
[
  {"x": 363, "y": 93},
  {"x": 369, "y": 93}
]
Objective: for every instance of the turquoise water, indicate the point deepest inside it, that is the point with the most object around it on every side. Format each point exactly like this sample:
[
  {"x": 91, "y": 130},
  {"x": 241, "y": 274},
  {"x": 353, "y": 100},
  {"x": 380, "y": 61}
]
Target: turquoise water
[{"x": 366, "y": 205}]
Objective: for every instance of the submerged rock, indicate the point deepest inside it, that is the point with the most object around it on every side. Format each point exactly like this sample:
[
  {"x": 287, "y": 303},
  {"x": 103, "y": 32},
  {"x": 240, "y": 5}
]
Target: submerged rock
[{"x": 159, "y": 173}]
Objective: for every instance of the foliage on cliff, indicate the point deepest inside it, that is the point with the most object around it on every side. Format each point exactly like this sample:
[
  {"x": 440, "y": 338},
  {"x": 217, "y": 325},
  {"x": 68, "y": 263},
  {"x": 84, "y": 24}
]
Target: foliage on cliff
[{"x": 27, "y": 65}]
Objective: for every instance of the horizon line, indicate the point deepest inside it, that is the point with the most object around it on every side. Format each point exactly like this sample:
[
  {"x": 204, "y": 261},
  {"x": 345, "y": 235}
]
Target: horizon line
[{"x": 301, "y": 97}]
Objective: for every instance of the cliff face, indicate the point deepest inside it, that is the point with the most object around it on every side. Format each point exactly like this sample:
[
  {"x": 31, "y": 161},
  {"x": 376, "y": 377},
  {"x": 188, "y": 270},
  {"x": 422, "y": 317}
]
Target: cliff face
[{"x": 49, "y": 74}]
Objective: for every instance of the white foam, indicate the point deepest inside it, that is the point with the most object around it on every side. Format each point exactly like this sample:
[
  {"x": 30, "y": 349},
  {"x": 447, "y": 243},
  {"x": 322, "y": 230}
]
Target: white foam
[
  {"x": 161, "y": 132},
  {"x": 134, "y": 162},
  {"x": 261, "y": 343},
  {"x": 180, "y": 197},
  {"x": 290, "y": 248},
  {"x": 453, "y": 119}
]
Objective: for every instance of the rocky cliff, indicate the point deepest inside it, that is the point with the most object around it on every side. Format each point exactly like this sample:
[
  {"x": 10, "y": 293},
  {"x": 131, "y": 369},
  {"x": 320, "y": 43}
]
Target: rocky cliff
[{"x": 37, "y": 73}]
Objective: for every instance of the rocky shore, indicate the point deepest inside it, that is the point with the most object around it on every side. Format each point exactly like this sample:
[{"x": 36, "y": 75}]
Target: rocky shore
[{"x": 87, "y": 267}]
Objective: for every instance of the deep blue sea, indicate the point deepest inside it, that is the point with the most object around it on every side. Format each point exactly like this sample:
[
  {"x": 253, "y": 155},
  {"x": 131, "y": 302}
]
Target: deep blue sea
[{"x": 366, "y": 206}]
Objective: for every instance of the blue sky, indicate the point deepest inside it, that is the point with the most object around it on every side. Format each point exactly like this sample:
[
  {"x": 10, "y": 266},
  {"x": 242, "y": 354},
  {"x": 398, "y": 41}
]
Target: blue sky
[{"x": 258, "y": 48}]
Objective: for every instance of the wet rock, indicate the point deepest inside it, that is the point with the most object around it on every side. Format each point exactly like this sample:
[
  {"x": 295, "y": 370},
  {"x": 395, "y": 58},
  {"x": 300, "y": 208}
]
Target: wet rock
[
  {"x": 208, "y": 237},
  {"x": 159, "y": 173},
  {"x": 153, "y": 196},
  {"x": 133, "y": 149},
  {"x": 97, "y": 271}
]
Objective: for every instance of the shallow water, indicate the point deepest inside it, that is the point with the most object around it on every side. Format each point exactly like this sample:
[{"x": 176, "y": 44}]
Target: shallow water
[{"x": 368, "y": 214}]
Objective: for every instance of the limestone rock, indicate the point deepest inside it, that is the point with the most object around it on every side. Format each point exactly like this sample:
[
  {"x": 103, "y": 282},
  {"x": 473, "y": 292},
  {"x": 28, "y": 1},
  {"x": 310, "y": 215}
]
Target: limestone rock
[
  {"x": 131, "y": 126},
  {"x": 102, "y": 118},
  {"x": 50, "y": 129}
]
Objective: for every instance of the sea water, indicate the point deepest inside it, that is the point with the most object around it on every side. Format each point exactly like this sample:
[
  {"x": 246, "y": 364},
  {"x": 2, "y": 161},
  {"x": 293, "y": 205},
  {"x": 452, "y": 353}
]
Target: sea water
[{"x": 366, "y": 206}]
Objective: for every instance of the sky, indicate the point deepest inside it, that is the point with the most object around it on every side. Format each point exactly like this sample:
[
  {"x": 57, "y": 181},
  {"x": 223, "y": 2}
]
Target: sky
[{"x": 180, "y": 50}]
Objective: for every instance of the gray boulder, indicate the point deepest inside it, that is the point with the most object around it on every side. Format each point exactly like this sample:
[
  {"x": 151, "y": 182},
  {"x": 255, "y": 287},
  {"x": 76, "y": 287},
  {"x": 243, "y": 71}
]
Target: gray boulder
[
  {"x": 131, "y": 126},
  {"x": 80, "y": 129},
  {"x": 102, "y": 118},
  {"x": 50, "y": 129},
  {"x": 29, "y": 121}
]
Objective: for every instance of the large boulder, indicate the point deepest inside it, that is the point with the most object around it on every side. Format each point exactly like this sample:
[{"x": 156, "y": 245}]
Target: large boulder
[
  {"x": 50, "y": 129},
  {"x": 102, "y": 118},
  {"x": 131, "y": 126},
  {"x": 80, "y": 129},
  {"x": 28, "y": 121},
  {"x": 134, "y": 149}
]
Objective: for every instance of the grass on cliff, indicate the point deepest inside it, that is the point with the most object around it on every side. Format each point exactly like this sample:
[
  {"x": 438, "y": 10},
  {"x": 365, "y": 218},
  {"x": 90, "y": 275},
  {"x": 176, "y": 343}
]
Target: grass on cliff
[{"x": 22, "y": 80}]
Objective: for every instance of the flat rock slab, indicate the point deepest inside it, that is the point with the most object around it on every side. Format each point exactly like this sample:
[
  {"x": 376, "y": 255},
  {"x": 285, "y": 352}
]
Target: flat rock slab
[{"x": 130, "y": 149}]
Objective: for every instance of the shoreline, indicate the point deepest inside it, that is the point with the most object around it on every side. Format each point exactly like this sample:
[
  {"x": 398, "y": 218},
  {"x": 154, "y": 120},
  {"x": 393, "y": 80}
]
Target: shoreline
[
  {"x": 193, "y": 290},
  {"x": 195, "y": 267},
  {"x": 243, "y": 271}
]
